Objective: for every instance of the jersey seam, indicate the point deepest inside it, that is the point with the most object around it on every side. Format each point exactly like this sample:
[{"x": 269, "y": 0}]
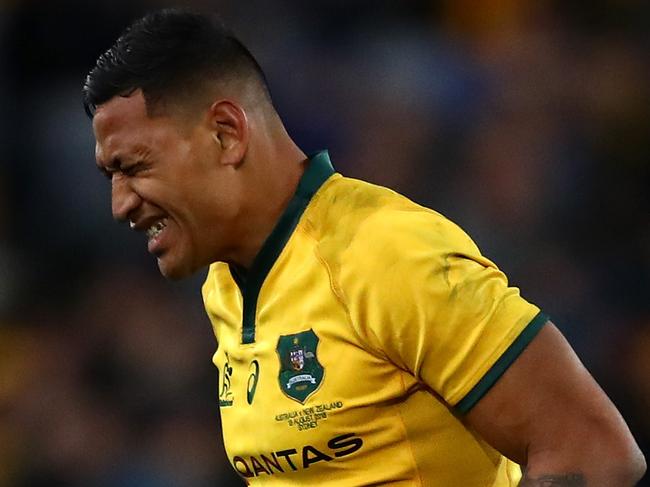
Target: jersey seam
[{"x": 340, "y": 298}]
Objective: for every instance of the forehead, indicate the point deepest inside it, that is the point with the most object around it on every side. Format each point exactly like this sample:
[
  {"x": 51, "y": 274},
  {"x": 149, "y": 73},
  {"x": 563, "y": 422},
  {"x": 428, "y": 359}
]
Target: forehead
[
  {"x": 119, "y": 111},
  {"x": 122, "y": 126}
]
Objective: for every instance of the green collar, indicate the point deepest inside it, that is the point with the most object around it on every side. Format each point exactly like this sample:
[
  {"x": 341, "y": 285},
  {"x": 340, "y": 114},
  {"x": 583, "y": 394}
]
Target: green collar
[{"x": 318, "y": 171}]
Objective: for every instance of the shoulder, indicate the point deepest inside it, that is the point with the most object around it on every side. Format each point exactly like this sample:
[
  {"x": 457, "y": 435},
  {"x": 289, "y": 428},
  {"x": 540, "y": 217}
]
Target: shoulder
[
  {"x": 375, "y": 241},
  {"x": 363, "y": 221}
]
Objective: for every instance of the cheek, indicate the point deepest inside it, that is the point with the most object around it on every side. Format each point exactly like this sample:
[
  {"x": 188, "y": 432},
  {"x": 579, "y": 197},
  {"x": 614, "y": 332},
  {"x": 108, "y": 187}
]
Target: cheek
[
  {"x": 229, "y": 200},
  {"x": 197, "y": 205}
]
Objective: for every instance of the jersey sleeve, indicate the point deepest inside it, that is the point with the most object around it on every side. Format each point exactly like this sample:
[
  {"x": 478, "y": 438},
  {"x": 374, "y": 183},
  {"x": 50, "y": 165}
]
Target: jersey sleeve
[{"x": 420, "y": 294}]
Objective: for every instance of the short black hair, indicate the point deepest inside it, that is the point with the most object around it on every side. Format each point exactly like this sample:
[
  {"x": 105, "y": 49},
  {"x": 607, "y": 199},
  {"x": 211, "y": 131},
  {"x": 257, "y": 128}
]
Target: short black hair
[{"x": 167, "y": 52}]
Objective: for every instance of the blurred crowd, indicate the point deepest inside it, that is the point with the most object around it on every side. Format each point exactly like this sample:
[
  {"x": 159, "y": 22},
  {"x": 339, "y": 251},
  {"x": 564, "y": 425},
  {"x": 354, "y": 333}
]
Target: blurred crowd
[{"x": 526, "y": 122}]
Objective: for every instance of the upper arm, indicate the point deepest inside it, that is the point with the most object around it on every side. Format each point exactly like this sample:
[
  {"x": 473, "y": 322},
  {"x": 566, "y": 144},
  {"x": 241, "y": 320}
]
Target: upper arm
[{"x": 547, "y": 410}]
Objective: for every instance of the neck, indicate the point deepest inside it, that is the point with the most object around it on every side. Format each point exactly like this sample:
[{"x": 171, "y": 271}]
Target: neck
[{"x": 274, "y": 180}]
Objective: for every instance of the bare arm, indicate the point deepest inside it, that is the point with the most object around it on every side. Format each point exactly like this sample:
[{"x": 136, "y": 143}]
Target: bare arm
[{"x": 548, "y": 414}]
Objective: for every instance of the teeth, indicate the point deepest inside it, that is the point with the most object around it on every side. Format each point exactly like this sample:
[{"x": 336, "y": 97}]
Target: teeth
[{"x": 154, "y": 230}]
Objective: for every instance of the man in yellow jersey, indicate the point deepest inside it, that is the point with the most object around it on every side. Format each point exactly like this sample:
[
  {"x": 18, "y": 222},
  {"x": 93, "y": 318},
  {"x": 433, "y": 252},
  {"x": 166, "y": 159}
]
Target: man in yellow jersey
[{"x": 362, "y": 339}]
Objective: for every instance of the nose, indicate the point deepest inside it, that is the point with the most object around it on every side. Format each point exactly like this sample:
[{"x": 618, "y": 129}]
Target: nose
[{"x": 124, "y": 200}]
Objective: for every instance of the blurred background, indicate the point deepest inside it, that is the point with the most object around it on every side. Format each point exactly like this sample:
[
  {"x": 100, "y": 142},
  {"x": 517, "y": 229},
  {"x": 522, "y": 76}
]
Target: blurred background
[{"x": 528, "y": 123}]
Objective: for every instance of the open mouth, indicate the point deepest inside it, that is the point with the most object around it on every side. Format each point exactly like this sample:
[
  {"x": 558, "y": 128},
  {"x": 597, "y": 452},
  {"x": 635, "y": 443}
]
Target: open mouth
[{"x": 156, "y": 229}]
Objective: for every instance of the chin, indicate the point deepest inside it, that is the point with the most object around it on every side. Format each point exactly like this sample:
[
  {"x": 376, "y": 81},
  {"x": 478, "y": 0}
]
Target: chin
[{"x": 174, "y": 271}]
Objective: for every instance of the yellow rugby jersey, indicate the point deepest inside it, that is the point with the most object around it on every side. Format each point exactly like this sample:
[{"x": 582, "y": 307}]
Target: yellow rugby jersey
[{"x": 365, "y": 328}]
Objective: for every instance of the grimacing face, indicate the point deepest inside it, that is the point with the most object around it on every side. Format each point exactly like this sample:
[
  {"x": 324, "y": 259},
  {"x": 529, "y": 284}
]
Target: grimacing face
[{"x": 167, "y": 182}]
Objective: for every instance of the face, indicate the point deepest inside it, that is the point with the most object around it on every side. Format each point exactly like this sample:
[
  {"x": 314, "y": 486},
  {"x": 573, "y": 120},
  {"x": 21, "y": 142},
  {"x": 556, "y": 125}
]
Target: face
[{"x": 169, "y": 182}]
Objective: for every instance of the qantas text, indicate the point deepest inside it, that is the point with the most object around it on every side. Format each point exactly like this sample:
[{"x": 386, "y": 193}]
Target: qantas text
[{"x": 293, "y": 459}]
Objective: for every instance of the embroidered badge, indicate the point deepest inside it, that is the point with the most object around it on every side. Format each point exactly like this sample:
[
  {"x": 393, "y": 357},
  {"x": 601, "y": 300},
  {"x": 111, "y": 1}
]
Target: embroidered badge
[{"x": 300, "y": 372}]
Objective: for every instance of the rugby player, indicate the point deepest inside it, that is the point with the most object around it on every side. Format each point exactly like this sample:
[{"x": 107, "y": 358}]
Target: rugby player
[{"x": 362, "y": 339}]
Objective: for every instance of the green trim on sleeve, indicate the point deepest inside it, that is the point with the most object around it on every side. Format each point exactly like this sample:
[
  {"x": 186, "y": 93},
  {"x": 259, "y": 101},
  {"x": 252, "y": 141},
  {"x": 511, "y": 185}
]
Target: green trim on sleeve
[{"x": 502, "y": 364}]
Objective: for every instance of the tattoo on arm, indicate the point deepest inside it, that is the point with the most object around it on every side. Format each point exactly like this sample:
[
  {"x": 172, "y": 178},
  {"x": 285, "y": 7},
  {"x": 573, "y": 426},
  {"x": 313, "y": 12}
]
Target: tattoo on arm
[{"x": 565, "y": 480}]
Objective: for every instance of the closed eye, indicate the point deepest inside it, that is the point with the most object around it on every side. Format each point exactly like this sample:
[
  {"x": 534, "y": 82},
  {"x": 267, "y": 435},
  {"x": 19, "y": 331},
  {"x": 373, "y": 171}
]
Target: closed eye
[
  {"x": 133, "y": 169},
  {"x": 129, "y": 171}
]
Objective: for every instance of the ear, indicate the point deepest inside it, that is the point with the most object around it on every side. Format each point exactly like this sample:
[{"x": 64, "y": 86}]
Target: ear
[{"x": 230, "y": 130}]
